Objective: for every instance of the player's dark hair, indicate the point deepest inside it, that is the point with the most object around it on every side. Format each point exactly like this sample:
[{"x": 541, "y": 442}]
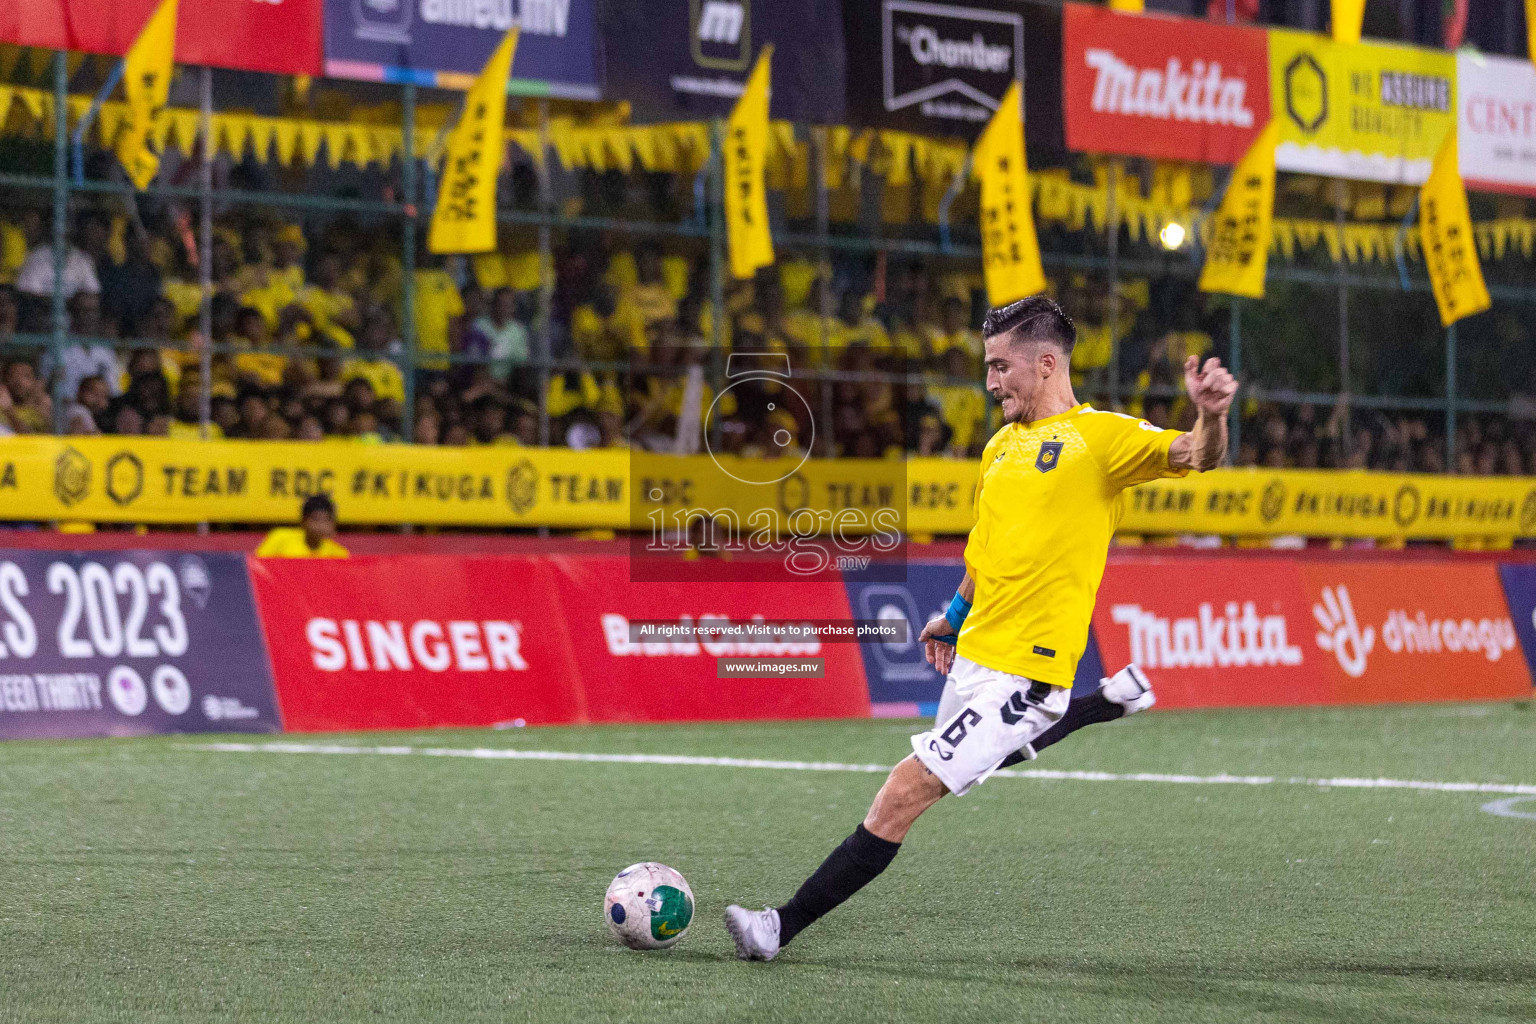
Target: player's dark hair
[
  {"x": 317, "y": 503},
  {"x": 1037, "y": 318}
]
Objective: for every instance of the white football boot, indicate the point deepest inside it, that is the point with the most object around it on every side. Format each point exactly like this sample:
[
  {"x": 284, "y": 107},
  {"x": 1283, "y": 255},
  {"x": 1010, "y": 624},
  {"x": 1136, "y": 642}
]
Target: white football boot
[
  {"x": 755, "y": 932},
  {"x": 1130, "y": 688}
]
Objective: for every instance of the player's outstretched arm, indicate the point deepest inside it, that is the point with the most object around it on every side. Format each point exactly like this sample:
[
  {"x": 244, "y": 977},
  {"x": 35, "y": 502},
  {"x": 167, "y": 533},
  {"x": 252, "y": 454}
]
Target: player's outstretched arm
[
  {"x": 1212, "y": 389},
  {"x": 941, "y": 652}
]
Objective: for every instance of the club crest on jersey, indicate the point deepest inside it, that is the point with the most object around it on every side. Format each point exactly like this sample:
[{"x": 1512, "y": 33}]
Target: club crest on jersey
[{"x": 1050, "y": 454}]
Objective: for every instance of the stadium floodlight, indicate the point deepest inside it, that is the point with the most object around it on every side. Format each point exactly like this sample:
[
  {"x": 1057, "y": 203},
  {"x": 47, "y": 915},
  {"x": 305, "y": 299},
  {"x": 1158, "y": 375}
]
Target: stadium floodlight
[{"x": 1172, "y": 236}]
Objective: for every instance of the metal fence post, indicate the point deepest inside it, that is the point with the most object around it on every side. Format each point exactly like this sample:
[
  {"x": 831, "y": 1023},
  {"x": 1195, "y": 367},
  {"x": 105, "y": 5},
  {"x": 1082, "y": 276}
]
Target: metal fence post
[
  {"x": 60, "y": 229},
  {"x": 205, "y": 264},
  {"x": 717, "y": 251},
  {"x": 1346, "y": 435},
  {"x": 546, "y": 309},
  {"x": 408, "y": 258},
  {"x": 823, "y": 297},
  {"x": 1450, "y": 399}
]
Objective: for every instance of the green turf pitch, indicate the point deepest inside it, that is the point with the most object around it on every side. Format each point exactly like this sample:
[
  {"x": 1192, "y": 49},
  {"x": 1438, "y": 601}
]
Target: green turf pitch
[{"x": 146, "y": 880}]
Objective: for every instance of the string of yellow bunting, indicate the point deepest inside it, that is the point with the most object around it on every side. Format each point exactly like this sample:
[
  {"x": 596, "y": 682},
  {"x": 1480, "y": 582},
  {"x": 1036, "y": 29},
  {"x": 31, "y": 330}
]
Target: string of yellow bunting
[{"x": 683, "y": 147}]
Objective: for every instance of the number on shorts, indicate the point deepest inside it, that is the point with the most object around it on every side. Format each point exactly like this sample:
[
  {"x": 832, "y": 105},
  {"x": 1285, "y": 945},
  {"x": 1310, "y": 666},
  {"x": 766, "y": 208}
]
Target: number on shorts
[{"x": 956, "y": 730}]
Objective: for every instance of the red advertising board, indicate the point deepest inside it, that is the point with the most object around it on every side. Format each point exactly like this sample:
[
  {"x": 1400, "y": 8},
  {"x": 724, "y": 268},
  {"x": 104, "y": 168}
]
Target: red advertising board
[
  {"x": 416, "y": 642},
  {"x": 410, "y": 642},
  {"x": 1211, "y": 632},
  {"x": 668, "y": 682},
  {"x": 278, "y": 36},
  {"x": 1414, "y": 631},
  {"x": 1224, "y": 632},
  {"x": 1166, "y": 88}
]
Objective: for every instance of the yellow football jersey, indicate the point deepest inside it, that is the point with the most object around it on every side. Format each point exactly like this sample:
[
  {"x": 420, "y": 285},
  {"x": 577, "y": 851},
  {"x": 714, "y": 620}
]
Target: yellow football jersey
[
  {"x": 289, "y": 542},
  {"x": 1047, "y": 503}
]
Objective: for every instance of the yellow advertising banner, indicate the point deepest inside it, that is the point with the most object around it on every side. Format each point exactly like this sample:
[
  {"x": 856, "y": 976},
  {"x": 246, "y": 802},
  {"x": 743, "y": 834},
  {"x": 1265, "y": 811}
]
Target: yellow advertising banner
[
  {"x": 154, "y": 480},
  {"x": 746, "y": 190},
  {"x": 1010, "y": 252},
  {"x": 1363, "y": 110},
  {"x": 158, "y": 481},
  {"x": 1445, "y": 233},
  {"x": 1259, "y": 502},
  {"x": 464, "y": 219},
  {"x": 1336, "y": 503},
  {"x": 147, "y": 71},
  {"x": 1237, "y": 255}
]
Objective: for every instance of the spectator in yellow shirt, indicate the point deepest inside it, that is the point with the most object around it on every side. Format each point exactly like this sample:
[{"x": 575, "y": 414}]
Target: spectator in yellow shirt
[
  {"x": 651, "y": 298},
  {"x": 854, "y": 326},
  {"x": 314, "y": 537},
  {"x": 373, "y": 363},
  {"x": 331, "y": 308},
  {"x": 953, "y": 333},
  {"x": 961, "y": 403},
  {"x": 258, "y": 365},
  {"x": 439, "y": 309}
]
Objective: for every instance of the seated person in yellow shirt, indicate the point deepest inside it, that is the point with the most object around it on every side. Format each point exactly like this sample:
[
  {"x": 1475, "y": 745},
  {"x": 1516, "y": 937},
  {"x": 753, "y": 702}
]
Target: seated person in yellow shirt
[
  {"x": 331, "y": 308},
  {"x": 373, "y": 363},
  {"x": 288, "y": 247},
  {"x": 187, "y": 424},
  {"x": 854, "y": 326},
  {"x": 651, "y": 298},
  {"x": 314, "y": 537},
  {"x": 256, "y": 363},
  {"x": 953, "y": 333},
  {"x": 159, "y": 324},
  {"x": 598, "y": 334},
  {"x": 961, "y": 402}
]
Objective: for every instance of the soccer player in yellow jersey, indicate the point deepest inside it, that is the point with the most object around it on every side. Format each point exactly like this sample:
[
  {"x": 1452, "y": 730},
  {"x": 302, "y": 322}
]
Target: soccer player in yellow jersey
[{"x": 1047, "y": 503}]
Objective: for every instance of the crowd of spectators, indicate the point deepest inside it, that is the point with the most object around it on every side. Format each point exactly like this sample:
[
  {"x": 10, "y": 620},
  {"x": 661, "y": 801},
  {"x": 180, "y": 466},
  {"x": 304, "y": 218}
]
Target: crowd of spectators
[
  {"x": 304, "y": 343},
  {"x": 1314, "y": 437}
]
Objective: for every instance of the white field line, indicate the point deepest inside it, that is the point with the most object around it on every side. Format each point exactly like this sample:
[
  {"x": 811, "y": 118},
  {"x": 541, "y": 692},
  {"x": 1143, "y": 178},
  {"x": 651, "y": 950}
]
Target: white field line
[{"x": 499, "y": 754}]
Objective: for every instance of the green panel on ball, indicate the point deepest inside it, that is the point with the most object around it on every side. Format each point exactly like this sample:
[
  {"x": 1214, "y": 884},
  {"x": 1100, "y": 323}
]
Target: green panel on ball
[{"x": 675, "y": 913}]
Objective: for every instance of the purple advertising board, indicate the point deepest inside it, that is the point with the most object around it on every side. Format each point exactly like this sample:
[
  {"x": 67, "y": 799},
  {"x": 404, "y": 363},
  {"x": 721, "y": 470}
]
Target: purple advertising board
[
  {"x": 123, "y": 643},
  {"x": 901, "y": 682},
  {"x": 1520, "y": 593},
  {"x": 445, "y": 43}
]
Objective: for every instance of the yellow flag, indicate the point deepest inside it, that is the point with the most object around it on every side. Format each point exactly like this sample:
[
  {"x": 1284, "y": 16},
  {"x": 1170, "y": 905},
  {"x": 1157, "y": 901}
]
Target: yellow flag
[
  {"x": 746, "y": 194},
  {"x": 1347, "y": 17},
  {"x": 1238, "y": 253},
  {"x": 1010, "y": 253},
  {"x": 464, "y": 219},
  {"x": 1128, "y": 6},
  {"x": 1445, "y": 232},
  {"x": 1530, "y": 28},
  {"x": 147, "y": 82}
]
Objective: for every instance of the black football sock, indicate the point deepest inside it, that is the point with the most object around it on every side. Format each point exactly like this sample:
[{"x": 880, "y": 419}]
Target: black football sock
[
  {"x": 1083, "y": 711},
  {"x": 847, "y": 869}
]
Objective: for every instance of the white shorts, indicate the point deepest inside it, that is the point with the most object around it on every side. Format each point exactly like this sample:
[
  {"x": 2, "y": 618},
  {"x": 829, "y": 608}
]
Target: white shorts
[{"x": 999, "y": 712}]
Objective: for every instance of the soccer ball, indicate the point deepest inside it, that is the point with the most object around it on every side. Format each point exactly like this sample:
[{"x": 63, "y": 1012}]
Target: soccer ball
[{"x": 648, "y": 906}]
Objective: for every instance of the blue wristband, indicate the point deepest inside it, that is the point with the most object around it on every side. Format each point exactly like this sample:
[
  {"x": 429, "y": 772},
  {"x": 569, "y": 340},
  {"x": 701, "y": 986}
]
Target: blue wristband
[{"x": 958, "y": 609}]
